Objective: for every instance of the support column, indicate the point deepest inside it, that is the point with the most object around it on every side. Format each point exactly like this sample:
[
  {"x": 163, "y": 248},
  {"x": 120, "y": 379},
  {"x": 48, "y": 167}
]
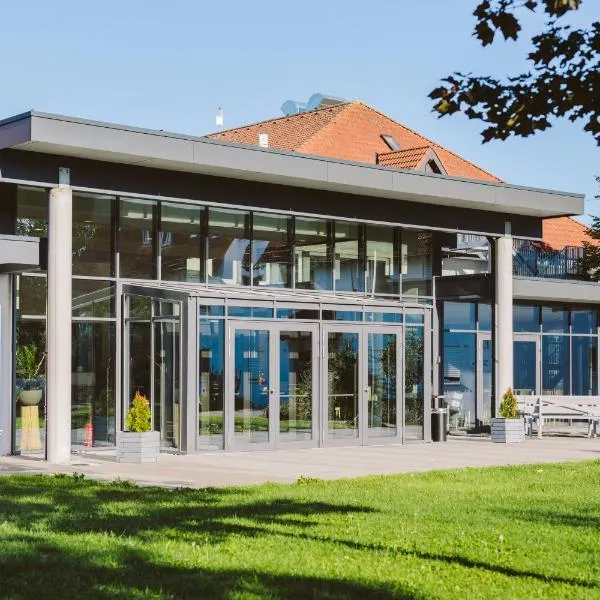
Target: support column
[
  {"x": 504, "y": 316},
  {"x": 58, "y": 327}
]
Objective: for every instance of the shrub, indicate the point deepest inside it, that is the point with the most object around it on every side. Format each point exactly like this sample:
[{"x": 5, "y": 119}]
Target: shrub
[
  {"x": 508, "y": 406},
  {"x": 139, "y": 415}
]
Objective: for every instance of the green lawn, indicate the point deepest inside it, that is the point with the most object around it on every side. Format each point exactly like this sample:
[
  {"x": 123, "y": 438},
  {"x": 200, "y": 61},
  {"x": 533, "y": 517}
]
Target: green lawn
[{"x": 515, "y": 532}]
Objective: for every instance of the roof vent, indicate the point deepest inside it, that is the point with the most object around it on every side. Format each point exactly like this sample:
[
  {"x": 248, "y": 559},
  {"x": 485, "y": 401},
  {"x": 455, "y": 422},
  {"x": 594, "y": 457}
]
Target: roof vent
[{"x": 263, "y": 140}]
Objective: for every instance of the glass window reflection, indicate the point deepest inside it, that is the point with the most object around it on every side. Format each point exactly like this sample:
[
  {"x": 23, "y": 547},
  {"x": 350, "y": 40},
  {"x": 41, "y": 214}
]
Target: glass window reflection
[
  {"x": 228, "y": 247},
  {"x": 312, "y": 256},
  {"x": 348, "y": 263},
  {"x": 382, "y": 265},
  {"x": 271, "y": 250},
  {"x": 136, "y": 239}
]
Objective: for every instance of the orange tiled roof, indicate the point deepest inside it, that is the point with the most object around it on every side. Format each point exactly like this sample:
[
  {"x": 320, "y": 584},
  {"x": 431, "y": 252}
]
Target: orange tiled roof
[
  {"x": 410, "y": 158},
  {"x": 564, "y": 231},
  {"x": 352, "y": 131}
]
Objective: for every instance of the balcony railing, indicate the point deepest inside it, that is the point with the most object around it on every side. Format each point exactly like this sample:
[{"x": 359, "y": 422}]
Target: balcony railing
[{"x": 530, "y": 259}]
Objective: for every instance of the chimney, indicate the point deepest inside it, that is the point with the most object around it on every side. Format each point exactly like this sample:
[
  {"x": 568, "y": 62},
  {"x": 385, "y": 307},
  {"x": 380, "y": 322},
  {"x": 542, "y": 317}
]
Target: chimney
[{"x": 263, "y": 140}]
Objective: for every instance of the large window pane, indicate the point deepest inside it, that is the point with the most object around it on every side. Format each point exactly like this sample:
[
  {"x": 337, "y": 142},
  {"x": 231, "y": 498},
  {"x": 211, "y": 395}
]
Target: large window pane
[
  {"x": 382, "y": 265},
  {"x": 30, "y": 386},
  {"x": 525, "y": 365},
  {"x": 459, "y": 315},
  {"x": 348, "y": 266},
  {"x": 32, "y": 212},
  {"x": 416, "y": 263},
  {"x": 584, "y": 321},
  {"x": 181, "y": 242},
  {"x": 484, "y": 316},
  {"x": 271, "y": 250},
  {"x": 228, "y": 247},
  {"x": 460, "y": 387},
  {"x": 92, "y": 235},
  {"x": 212, "y": 383},
  {"x": 93, "y": 393},
  {"x": 93, "y": 298},
  {"x": 526, "y": 318},
  {"x": 312, "y": 257},
  {"x": 414, "y": 393},
  {"x": 31, "y": 295},
  {"x": 555, "y": 320},
  {"x": 136, "y": 239},
  {"x": 555, "y": 365},
  {"x": 585, "y": 366}
]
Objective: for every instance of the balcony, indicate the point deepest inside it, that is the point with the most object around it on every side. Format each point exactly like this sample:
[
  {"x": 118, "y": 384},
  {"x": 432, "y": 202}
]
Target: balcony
[{"x": 534, "y": 259}]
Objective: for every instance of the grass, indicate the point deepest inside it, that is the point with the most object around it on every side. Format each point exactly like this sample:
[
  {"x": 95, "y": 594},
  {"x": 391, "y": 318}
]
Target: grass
[{"x": 514, "y": 532}]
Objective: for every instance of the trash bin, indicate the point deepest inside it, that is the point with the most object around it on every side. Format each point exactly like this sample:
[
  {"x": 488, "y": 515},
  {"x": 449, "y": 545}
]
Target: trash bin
[{"x": 438, "y": 425}]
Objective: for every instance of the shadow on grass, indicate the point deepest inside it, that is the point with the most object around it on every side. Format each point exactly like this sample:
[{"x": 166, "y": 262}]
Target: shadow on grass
[
  {"x": 589, "y": 518},
  {"x": 36, "y": 564},
  {"x": 44, "y": 570}
]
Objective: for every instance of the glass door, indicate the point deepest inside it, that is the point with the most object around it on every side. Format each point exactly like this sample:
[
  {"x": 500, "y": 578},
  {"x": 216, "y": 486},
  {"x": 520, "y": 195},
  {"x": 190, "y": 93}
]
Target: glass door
[
  {"x": 526, "y": 361},
  {"x": 297, "y": 392},
  {"x": 272, "y": 385},
  {"x": 251, "y": 387},
  {"x": 484, "y": 381},
  {"x": 382, "y": 400},
  {"x": 342, "y": 384},
  {"x": 166, "y": 412}
]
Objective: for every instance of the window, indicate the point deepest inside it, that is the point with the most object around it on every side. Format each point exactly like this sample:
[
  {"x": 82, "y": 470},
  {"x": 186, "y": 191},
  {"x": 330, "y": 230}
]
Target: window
[
  {"x": 271, "y": 250},
  {"x": 391, "y": 142},
  {"x": 382, "y": 263},
  {"x": 181, "y": 242},
  {"x": 93, "y": 247},
  {"x": 349, "y": 265},
  {"x": 526, "y": 318},
  {"x": 459, "y": 315},
  {"x": 416, "y": 263},
  {"x": 312, "y": 254},
  {"x": 136, "y": 239},
  {"x": 228, "y": 247},
  {"x": 555, "y": 320}
]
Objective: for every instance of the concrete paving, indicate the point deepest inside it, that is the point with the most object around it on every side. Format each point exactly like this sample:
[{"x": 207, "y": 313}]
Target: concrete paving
[{"x": 248, "y": 468}]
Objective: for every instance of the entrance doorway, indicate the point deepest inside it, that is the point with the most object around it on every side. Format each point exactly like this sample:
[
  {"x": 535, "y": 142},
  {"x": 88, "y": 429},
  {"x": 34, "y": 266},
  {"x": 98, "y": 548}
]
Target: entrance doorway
[
  {"x": 362, "y": 375},
  {"x": 272, "y": 385}
]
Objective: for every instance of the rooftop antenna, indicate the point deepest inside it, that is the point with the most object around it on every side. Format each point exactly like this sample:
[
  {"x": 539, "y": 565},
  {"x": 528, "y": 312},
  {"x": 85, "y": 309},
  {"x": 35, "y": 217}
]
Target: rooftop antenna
[{"x": 219, "y": 117}]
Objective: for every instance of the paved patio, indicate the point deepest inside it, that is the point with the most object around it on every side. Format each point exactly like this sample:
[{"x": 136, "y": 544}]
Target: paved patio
[{"x": 246, "y": 468}]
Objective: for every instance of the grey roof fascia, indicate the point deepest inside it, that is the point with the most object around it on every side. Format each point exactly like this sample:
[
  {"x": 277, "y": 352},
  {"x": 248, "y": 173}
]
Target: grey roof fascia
[
  {"x": 69, "y": 136},
  {"x": 556, "y": 290}
]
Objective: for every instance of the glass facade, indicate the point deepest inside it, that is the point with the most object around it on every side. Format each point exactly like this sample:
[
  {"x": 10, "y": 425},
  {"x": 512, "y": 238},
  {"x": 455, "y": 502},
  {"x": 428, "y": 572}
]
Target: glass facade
[
  {"x": 555, "y": 350},
  {"x": 272, "y": 389}
]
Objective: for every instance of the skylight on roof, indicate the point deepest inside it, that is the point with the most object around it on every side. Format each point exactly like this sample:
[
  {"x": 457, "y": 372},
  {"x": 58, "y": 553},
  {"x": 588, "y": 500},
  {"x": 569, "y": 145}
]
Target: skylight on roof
[{"x": 391, "y": 142}]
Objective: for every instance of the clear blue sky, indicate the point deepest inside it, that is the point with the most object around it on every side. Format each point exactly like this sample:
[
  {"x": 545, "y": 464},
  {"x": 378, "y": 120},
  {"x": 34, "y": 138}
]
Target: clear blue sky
[{"x": 168, "y": 64}]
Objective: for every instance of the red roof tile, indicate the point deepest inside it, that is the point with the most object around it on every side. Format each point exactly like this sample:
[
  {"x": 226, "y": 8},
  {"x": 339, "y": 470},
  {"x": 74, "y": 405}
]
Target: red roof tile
[
  {"x": 410, "y": 158},
  {"x": 564, "y": 231}
]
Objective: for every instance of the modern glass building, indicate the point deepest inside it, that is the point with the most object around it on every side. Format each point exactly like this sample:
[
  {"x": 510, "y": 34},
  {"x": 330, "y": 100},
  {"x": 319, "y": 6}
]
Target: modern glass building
[{"x": 263, "y": 299}]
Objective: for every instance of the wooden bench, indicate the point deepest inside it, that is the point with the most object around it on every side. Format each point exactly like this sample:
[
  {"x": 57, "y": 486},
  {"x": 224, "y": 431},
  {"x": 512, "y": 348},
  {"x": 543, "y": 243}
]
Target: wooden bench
[{"x": 535, "y": 409}]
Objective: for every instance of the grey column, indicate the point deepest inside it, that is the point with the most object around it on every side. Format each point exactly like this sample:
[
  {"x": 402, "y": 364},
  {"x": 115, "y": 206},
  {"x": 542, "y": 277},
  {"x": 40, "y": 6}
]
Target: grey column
[
  {"x": 504, "y": 316},
  {"x": 58, "y": 327}
]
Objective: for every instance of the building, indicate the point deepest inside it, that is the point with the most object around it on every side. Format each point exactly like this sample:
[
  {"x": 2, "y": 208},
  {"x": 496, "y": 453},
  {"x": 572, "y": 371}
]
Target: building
[{"x": 266, "y": 297}]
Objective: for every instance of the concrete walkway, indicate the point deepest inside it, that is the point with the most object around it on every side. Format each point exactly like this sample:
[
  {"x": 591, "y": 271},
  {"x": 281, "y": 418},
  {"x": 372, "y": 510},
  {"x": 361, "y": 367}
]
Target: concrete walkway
[{"x": 245, "y": 468}]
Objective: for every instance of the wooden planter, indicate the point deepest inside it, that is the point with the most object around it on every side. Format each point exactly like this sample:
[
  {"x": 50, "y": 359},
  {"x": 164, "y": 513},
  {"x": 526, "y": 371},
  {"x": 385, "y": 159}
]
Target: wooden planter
[
  {"x": 134, "y": 447},
  {"x": 508, "y": 431}
]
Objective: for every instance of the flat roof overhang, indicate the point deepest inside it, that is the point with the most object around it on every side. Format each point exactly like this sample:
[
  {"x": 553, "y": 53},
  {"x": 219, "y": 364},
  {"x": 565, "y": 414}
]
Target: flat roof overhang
[
  {"x": 565, "y": 291},
  {"x": 67, "y": 136}
]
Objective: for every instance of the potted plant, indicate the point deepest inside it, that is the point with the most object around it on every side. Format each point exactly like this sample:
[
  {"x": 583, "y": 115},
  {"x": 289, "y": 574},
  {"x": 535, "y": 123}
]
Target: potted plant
[
  {"x": 31, "y": 384},
  {"x": 509, "y": 426},
  {"x": 139, "y": 444}
]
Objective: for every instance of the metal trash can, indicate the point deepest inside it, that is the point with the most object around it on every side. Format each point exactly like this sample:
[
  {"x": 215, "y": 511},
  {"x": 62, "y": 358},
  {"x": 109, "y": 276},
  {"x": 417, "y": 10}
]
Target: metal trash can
[{"x": 438, "y": 425}]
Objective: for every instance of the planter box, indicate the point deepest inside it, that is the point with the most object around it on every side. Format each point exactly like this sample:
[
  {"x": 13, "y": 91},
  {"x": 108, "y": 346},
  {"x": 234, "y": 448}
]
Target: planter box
[
  {"x": 508, "y": 431},
  {"x": 133, "y": 447}
]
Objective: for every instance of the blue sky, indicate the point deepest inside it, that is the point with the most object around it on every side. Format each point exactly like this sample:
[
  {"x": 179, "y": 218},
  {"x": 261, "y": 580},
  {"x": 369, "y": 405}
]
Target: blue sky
[{"x": 168, "y": 64}]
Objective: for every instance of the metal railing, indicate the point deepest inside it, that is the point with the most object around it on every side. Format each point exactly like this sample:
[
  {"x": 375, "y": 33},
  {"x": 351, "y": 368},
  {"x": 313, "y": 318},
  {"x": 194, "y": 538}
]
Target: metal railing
[{"x": 530, "y": 259}]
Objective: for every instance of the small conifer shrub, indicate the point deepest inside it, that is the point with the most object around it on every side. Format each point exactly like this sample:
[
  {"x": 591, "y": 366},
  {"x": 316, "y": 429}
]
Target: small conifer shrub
[
  {"x": 508, "y": 405},
  {"x": 139, "y": 415}
]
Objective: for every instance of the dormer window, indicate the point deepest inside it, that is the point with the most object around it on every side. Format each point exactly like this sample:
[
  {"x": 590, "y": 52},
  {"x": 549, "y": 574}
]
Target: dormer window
[{"x": 391, "y": 142}]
